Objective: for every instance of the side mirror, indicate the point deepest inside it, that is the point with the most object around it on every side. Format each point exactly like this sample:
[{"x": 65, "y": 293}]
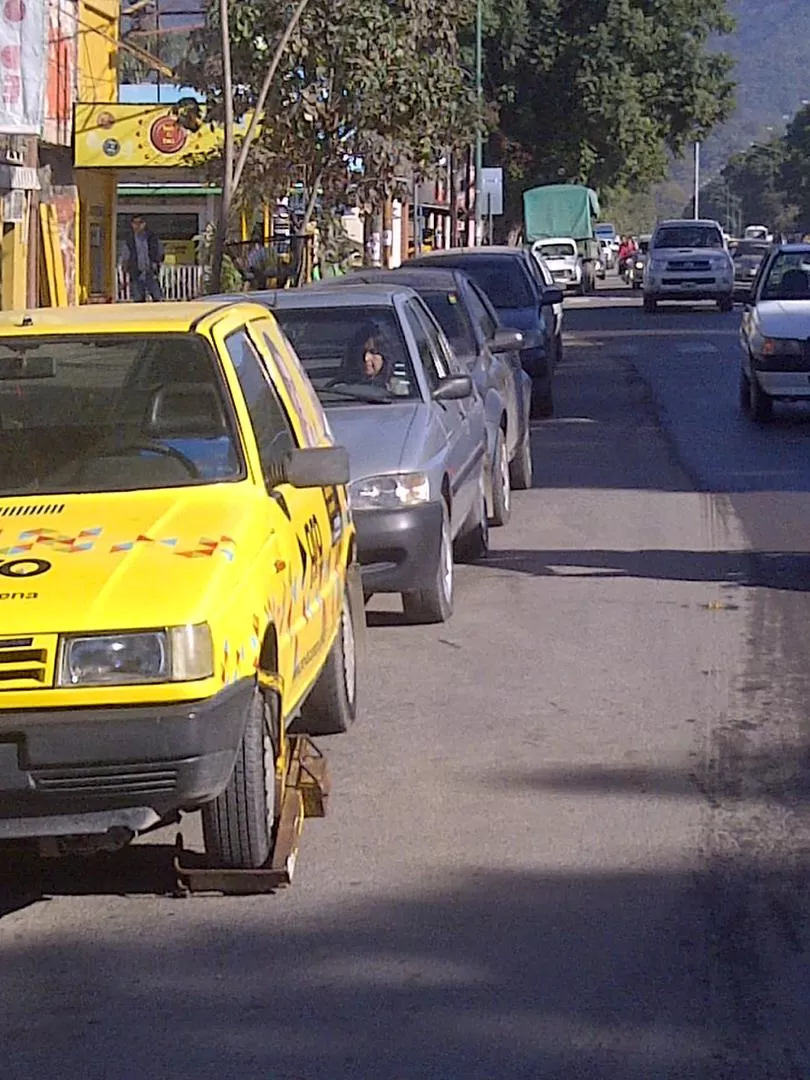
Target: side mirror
[
  {"x": 453, "y": 388},
  {"x": 316, "y": 467},
  {"x": 551, "y": 297},
  {"x": 505, "y": 340}
]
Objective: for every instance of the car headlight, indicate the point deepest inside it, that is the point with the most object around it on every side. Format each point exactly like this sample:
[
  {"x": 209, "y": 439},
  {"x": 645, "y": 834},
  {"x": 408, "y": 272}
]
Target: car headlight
[
  {"x": 391, "y": 491},
  {"x": 657, "y": 265},
  {"x": 639, "y": 264},
  {"x": 179, "y": 654},
  {"x": 781, "y": 347}
]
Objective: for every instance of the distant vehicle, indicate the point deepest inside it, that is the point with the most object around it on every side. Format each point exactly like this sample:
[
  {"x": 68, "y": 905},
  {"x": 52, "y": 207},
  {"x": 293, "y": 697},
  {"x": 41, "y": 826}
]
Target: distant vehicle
[
  {"x": 563, "y": 260},
  {"x": 758, "y": 232},
  {"x": 747, "y": 258},
  {"x": 775, "y": 333},
  {"x": 608, "y": 253},
  {"x": 606, "y": 231},
  {"x": 553, "y": 210},
  {"x": 507, "y": 276},
  {"x": 634, "y": 267},
  {"x": 688, "y": 260}
]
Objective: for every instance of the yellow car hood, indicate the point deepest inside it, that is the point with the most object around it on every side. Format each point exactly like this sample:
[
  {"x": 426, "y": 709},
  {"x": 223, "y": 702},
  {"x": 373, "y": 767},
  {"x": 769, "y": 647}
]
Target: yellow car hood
[{"x": 126, "y": 560}]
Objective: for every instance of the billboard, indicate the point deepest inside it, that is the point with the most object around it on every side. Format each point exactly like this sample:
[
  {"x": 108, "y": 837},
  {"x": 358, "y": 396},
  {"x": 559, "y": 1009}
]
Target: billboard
[
  {"x": 61, "y": 83},
  {"x": 132, "y": 136},
  {"x": 23, "y": 66}
]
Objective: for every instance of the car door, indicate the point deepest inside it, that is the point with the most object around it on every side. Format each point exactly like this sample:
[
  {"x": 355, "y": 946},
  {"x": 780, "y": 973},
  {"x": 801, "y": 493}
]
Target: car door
[
  {"x": 506, "y": 371},
  {"x": 305, "y": 562},
  {"x": 749, "y": 316},
  {"x": 463, "y": 448}
]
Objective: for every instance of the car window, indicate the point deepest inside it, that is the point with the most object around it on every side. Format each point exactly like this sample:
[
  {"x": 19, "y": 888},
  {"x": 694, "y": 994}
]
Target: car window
[
  {"x": 331, "y": 343},
  {"x": 287, "y": 368},
  {"x": 427, "y": 345},
  {"x": 480, "y": 312},
  {"x": 557, "y": 251},
  {"x": 113, "y": 412},
  {"x": 448, "y": 309},
  {"x": 750, "y": 247},
  {"x": 505, "y": 279},
  {"x": 688, "y": 236},
  {"x": 787, "y": 277},
  {"x": 274, "y": 434}
]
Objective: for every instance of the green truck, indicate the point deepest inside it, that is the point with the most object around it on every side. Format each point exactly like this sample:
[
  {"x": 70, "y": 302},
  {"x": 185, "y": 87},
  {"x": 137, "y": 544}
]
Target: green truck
[{"x": 567, "y": 211}]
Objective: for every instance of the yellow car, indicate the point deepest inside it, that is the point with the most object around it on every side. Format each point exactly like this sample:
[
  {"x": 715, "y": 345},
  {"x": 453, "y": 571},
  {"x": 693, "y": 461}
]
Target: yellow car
[{"x": 178, "y": 582}]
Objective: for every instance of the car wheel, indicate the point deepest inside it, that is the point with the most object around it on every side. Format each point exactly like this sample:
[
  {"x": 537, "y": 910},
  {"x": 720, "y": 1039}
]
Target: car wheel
[
  {"x": 474, "y": 545},
  {"x": 745, "y": 393},
  {"x": 238, "y": 825},
  {"x": 331, "y": 707},
  {"x": 759, "y": 403},
  {"x": 542, "y": 401},
  {"x": 726, "y": 304},
  {"x": 650, "y": 305},
  {"x": 434, "y": 604},
  {"x": 520, "y": 468},
  {"x": 501, "y": 485}
]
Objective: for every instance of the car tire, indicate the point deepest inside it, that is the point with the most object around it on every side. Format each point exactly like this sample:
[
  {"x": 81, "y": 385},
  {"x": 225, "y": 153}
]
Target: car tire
[
  {"x": 650, "y": 305},
  {"x": 521, "y": 469},
  {"x": 434, "y": 604},
  {"x": 760, "y": 404},
  {"x": 238, "y": 826},
  {"x": 501, "y": 483},
  {"x": 542, "y": 402},
  {"x": 726, "y": 304},
  {"x": 331, "y": 707},
  {"x": 474, "y": 544},
  {"x": 745, "y": 393},
  {"x": 636, "y": 286}
]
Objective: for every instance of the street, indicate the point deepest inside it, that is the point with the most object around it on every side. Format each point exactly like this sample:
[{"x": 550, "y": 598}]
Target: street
[{"x": 567, "y": 839}]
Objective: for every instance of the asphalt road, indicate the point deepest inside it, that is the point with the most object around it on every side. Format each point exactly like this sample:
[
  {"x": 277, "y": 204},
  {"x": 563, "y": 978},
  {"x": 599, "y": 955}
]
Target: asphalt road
[{"x": 568, "y": 838}]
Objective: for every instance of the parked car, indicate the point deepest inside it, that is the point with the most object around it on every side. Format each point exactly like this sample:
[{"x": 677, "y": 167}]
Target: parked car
[
  {"x": 747, "y": 258},
  {"x": 688, "y": 260},
  {"x": 563, "y": 260},
  {"x": 545, "y": 281},
  {"x": 634, "y": 268},
  {"x": 505, "y": 274},
  {"x": 415, "y": 431},
  {"x": 775, "y": 333},
  {"x": 491, "y": 355},
  {"x": 172, "y": 503}
]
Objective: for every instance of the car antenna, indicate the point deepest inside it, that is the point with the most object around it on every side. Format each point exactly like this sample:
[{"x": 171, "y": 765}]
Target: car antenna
[{"x": 27, "y": 320}]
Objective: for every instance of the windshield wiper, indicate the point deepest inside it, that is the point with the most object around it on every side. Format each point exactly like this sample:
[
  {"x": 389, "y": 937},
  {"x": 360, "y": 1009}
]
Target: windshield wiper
[{"x": 364, "y": 394}]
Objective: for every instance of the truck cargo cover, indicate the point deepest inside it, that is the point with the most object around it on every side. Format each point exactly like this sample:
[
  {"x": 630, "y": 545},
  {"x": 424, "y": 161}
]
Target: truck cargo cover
[{"x": 559, "y": 210}]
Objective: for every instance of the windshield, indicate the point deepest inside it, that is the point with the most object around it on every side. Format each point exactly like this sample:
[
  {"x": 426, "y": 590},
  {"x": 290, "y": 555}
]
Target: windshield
[
  {"x": 644, "y": 245},
  {"x": 504, "y": 280},
  {"x": 788, "y": 277},
  {"x": 688, "y": 236},
  {"x": 88, "y": 413},
  {"x": 452, "y": 316},
  {"x": 558, "y": 251},
  {"x": 750, "y": 247},
  {"x": 351, "y": 354}
]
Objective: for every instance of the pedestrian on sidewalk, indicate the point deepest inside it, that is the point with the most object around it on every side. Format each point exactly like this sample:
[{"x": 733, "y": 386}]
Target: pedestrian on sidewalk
[{"x": 142, "y": 257}]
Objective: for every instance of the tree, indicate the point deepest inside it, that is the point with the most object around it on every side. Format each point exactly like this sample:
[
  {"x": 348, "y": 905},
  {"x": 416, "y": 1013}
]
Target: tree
[{"x": 601, "y": 91}]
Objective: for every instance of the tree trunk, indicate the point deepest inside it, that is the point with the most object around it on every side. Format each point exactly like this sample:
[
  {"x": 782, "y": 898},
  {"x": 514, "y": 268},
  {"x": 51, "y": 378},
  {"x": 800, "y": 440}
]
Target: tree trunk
[
  {"x": 226, "y": 200},
  {"x": 387, "y": 231},
  {"x": 452, "y": 195}
]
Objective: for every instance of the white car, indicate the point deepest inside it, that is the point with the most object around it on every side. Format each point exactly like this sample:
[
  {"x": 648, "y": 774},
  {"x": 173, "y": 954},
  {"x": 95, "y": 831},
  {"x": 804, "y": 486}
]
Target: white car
[
  {"x": 608, "y": 253},
  {"x": 562, "y": 257},
  {"x": 688, "y": 260},
  {"x": 775, "y": 333}
]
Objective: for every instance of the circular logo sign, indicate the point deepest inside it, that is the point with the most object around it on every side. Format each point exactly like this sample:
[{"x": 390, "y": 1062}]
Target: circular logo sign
[
  {"x": 167, "y": 136},
  {"x": 111, "y": 147},
  {"x": 105, "y": 120}
]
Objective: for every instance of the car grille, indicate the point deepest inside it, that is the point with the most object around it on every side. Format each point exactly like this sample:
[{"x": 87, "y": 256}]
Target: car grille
[
  {"x": 702, "y": 266},
  {"x": 26, "y": 663},
  {"x": 688, "y": 281},
  {"x": 140, "y": 778}
]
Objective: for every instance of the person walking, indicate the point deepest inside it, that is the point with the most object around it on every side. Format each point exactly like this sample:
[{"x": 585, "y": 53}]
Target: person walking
[{"x": 142, "y": 257}]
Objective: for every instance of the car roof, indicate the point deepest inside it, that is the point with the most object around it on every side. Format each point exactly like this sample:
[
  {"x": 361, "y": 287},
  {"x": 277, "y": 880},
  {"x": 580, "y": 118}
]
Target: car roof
[
  {"x": 114, "y": 318},
  {"x": 442, "y": 277},
  {"x": 689, "y": 221},
  {"x": 797, "y": 249},
  {"x": 452, "y": 253},
  {"x": 337, "y": 296}
]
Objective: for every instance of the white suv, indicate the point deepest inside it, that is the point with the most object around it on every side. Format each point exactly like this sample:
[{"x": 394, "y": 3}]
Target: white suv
[{"x": 688, "y": 260}]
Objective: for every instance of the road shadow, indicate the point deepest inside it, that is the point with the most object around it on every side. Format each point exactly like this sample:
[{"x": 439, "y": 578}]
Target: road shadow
[{"x": 780, "y": 570}]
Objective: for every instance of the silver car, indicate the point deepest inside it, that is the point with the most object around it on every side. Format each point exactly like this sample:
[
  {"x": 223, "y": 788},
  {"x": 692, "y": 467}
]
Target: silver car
[{"x": 407, "y": 412}]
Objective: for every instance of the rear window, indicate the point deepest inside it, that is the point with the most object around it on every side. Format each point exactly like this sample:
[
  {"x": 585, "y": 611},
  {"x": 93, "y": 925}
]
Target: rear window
[
  {"x": 751, "y": 247},
  {"x": 688, "y": 236},
  {"x": 452, "y": 316},
  {"x": 505, "y": 281},
  {"x": 557, "y": 251}
]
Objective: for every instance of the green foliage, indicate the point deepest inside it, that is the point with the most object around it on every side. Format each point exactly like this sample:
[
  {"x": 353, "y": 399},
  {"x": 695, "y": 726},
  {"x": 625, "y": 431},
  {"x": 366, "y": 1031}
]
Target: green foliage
[
  {"x": 231, "y": 279},
  {"x": 600, "y": 91}
]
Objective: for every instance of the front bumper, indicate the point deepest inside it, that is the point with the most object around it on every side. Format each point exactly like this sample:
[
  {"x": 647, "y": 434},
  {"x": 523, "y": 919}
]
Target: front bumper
[
  {"x": 74, "y": 772},
  {"x": 789, "y": 385},
  {"x": 398, "y": 550}
]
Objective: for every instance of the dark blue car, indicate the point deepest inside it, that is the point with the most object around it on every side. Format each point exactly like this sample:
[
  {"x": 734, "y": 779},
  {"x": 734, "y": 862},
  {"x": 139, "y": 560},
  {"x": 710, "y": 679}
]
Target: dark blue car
[{"x": 520, "y": 300}]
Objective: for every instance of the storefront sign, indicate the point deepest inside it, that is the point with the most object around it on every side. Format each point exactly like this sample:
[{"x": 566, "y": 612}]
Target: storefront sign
[
  {"x": 23, "y": 66},
  {"x": 61, "y": 84},
  {"x": 133, "y": 136}
]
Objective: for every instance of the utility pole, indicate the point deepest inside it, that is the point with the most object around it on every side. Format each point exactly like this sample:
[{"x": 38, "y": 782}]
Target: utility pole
[
  {"x": 479, "y": 136},
  {"x": 697, "y": 181}
]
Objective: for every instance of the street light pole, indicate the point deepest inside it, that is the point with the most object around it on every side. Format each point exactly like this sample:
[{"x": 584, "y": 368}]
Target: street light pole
[
  {"x": 479, "y": 138},
  {"x": 697, "y": 181}
]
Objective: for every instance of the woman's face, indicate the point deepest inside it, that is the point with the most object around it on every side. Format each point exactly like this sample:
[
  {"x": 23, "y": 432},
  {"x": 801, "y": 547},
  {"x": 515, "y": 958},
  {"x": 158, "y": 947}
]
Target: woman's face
[{"x": 372, "y": 359}]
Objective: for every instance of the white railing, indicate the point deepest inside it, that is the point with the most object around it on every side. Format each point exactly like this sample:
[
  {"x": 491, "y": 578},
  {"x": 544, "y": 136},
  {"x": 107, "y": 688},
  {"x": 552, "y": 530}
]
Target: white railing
[{"x": 177, "y": 282}]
